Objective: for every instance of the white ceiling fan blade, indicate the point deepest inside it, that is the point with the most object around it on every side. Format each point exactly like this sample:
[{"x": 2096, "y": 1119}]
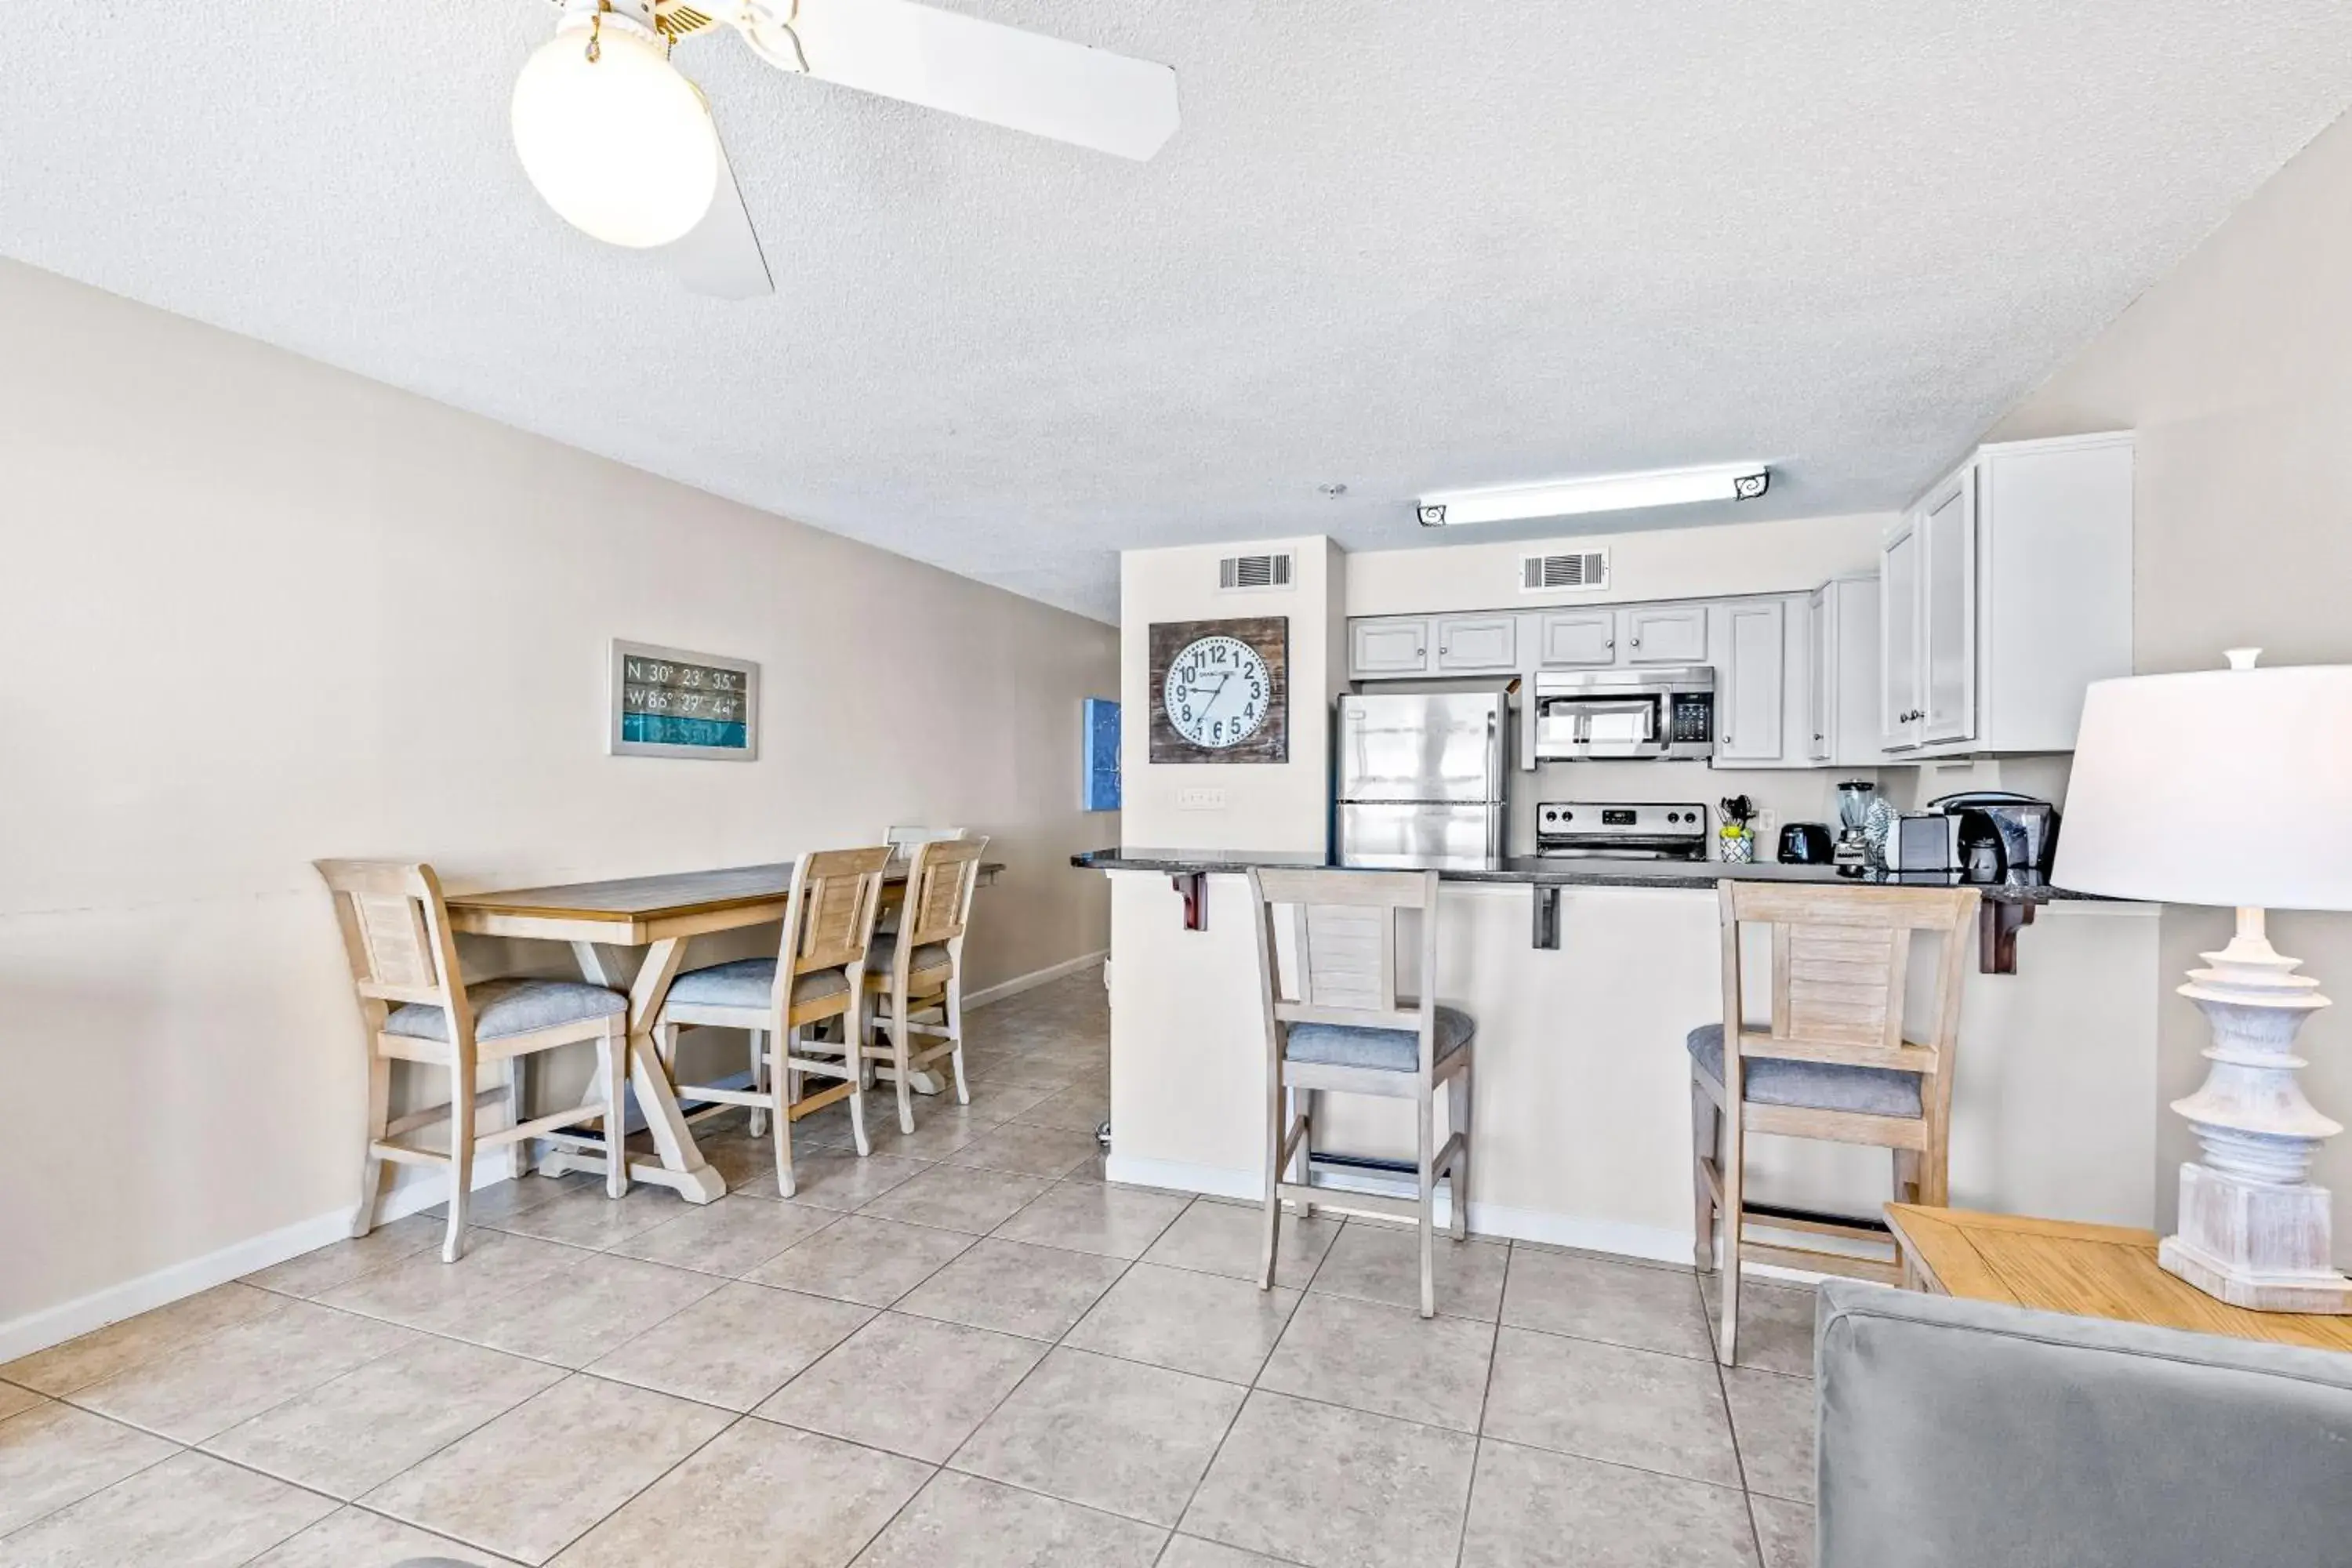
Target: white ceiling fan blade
[
  {"x": 982, "y": 71},
  {"x": 720, "y": 256}
]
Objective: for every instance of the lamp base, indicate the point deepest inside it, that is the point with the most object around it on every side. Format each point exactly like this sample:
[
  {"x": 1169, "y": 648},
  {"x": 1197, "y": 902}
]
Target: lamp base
[{"x": 2255, "y": 1244}]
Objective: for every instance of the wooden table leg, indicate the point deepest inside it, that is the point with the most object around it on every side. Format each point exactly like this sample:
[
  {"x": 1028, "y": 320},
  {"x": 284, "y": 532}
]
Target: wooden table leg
[{"x": 682, "y": 1165}]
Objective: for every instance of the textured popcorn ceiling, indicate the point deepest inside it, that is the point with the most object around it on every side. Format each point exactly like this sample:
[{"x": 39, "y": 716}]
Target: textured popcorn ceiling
[{"x": 1399, "y": 244}]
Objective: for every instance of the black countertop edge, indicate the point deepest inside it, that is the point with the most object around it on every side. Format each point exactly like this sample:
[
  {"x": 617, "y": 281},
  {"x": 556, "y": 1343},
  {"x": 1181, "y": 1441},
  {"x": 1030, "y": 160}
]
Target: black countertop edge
[{"x": 1528, "y": 871}]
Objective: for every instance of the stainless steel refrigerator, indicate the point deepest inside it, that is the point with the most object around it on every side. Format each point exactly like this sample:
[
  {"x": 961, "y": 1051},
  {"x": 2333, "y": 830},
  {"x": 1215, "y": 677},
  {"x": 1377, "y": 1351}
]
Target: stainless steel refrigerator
[{"x": 1420, "y": 779}]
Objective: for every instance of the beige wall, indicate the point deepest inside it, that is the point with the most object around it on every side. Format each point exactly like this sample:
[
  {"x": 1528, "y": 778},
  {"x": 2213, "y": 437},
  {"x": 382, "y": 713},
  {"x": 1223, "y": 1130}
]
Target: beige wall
[
  {"x": 254, "y": 610},
  {"x": 2236, "y": 370},
  {"x": 1265, "y": 805}
]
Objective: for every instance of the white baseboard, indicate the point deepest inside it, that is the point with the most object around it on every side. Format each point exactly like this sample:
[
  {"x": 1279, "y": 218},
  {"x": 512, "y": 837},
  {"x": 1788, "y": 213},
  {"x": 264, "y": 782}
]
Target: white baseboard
[
  {"x": 1034, "y": 978},
  {"x": 1651, "y": 1243},
  {"x": 37, "y": 1330}
]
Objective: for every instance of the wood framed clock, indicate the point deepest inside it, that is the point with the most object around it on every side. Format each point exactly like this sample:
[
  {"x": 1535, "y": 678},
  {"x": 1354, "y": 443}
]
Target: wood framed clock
[{"x": 1220, "y": 690}]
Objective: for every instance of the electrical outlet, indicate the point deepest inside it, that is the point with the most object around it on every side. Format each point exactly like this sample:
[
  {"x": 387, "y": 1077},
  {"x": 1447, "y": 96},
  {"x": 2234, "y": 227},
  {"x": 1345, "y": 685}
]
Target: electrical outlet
[{"x": 1201, "y": 797}]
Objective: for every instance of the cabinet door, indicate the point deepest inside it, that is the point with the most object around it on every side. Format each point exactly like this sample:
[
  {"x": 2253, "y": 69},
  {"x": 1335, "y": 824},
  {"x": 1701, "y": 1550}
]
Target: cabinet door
[
  {"x": 1665, "y": 634},
  {"x": 1578, "y": 637},
  {"x": 1390, "y": 646},
  {"x": 1947, "y": 633},
  {"x": 1821, "y": 651},
  {"x": 1748, "y": 687},
  {"x": 1467, "y": 644},
  {"x": 1901, "y": 581}
]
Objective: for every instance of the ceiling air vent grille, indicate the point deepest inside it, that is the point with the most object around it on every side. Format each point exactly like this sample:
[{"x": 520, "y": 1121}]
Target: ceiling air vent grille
[
  {"x": 1578, "y": 569},
  {"x": 1245, "y": 574}
]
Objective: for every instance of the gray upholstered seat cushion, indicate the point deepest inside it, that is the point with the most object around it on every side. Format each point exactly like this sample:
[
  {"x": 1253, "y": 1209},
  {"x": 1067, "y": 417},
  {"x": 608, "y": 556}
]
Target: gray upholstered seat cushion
[
  {"x": 503, "y": 1007},
  {"x": 750, "y": 982},
  {"x": 1812, "y": 1086},
  {"x": 1392, "y": 1050},
  {"x": 930, "y": 955}
]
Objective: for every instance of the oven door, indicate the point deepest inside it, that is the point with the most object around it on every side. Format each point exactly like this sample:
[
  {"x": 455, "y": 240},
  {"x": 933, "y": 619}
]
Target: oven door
[{"x": 1578, "y": 729}]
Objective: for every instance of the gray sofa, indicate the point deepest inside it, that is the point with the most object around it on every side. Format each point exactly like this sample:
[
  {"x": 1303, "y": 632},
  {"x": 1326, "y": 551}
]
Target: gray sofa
[{"x": 1968, "y": 1434}]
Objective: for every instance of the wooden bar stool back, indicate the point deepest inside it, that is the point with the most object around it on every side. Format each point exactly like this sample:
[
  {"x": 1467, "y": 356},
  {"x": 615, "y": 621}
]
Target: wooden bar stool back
[
  {"x": 1342, "y": 1028},
  {"x": 415, "y": 1008},
  {"x": 1833, "y": 1063},
  {"x": 816, "y": 977},
  {"x": 917, "y": 975}
]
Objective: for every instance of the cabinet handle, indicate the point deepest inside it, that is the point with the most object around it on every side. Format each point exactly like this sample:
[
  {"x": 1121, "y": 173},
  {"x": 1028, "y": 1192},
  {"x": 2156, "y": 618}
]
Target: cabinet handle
[{"x": 1611, "y": 643}]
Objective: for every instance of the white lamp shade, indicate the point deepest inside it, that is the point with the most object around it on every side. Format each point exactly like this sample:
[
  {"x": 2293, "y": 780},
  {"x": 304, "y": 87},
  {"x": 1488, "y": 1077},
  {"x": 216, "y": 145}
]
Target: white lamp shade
[
  {"x": 621, "y": 145},
  {"x": 2228, "y": 787}
]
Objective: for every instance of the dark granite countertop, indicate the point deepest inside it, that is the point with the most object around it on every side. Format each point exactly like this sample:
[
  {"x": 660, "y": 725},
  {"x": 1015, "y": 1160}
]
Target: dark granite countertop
[{"x": 1532, "y": 871}]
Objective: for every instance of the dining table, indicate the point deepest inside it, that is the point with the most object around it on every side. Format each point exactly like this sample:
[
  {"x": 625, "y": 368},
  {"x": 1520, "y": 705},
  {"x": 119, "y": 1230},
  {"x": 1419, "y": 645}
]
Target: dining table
[{"x": 658, "y": 915}]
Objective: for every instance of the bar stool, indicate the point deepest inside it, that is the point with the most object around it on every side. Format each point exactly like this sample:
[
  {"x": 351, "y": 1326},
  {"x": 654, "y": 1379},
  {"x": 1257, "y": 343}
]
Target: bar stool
[
  {"x": 902, "y": 842},
  {"x": 1833, "y": 1064},
  {"x": 1341, "y": 1027},
  {"x": 396, "y": 933},
  {"x": 814, "y": 977},
  {"x": 918, "y": 969}
]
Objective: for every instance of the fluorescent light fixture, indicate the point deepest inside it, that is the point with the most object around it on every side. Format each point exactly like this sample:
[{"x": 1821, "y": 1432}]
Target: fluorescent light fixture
[{"x": 1601, "y": 492}]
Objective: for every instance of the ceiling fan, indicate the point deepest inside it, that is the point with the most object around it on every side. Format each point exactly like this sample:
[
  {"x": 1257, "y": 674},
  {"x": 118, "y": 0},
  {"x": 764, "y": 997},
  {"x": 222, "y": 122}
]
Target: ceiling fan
[{"x": 624, "y": 148}]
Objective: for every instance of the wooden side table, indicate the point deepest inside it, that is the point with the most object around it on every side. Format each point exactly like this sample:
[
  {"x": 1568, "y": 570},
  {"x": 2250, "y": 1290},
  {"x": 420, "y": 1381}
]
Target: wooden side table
[{"x": 2090, "y": 1271}]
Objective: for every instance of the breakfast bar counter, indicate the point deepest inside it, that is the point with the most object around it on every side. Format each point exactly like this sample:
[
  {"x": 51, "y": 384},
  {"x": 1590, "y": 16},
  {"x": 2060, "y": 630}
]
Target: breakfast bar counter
[{"x": 1583, "y": 978}]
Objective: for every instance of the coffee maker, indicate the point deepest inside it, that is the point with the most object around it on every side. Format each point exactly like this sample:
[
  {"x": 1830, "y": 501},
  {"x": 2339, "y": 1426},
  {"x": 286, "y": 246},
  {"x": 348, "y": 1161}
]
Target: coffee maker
[{"x": 1853, "y": 852}]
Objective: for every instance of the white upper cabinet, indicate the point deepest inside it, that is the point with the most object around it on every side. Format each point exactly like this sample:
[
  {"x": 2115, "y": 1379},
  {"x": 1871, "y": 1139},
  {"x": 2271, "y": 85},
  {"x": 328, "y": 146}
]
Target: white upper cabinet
[
  {"x": 1391, "y": 644},
  {"x": 1664, "y": 633},
  {"x": 1820, "y": 665},
  {"x": 2003, "y": 593},
  {"x": 1576, "y": 637},
  {"x": 1477, "y": 645},
  {"x": 1751, "y": 682},
  {"x": 1842, "y": 726}
]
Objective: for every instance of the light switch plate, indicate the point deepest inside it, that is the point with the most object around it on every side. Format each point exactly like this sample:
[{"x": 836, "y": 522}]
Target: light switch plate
[{"x": 1201, "y": 797}]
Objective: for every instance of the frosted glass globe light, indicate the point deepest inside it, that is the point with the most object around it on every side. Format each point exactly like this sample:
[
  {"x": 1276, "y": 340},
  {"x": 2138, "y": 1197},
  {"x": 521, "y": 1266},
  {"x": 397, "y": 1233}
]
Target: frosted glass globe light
[{"x": 619, "y": 143}]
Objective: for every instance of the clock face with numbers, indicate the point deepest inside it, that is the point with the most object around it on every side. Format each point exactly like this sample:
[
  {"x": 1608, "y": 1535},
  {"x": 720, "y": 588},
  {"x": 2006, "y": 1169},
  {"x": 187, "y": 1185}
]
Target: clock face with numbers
[{"x": 1218, "y": 691}]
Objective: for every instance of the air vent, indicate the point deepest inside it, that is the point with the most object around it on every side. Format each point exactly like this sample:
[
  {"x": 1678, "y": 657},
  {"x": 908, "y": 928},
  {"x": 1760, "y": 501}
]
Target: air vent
[
  {"x": 1579, "y": 569},
  {"x": 1247, "y": 574}
]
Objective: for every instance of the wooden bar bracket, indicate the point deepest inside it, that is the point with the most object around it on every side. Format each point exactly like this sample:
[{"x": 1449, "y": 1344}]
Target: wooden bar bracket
[
  {"x": 1546, "y": 935},
  {"x": 1997, "y": 927},
  {"x": 1193, "y": 888}
]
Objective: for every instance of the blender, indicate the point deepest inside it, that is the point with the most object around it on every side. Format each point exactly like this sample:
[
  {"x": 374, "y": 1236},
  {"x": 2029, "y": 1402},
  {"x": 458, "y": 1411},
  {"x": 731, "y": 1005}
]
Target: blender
[{"x": 1854, "y": 795}]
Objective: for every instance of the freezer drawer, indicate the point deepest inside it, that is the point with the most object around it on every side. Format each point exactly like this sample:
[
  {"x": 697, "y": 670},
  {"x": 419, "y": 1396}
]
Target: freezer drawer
[{"x": 1420, "y": 834}]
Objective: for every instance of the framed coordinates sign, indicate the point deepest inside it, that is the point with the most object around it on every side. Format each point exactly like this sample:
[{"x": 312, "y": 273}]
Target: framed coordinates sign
[{"x": 668, "y": 702}]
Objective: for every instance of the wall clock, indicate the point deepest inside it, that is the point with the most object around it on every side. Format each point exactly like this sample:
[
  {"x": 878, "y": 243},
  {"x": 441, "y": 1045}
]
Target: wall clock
[{"x": 1220, "y": 690}]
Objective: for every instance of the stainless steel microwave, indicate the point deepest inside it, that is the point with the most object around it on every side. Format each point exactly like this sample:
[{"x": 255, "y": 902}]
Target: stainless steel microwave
[{"x": 1586, "y": 715}]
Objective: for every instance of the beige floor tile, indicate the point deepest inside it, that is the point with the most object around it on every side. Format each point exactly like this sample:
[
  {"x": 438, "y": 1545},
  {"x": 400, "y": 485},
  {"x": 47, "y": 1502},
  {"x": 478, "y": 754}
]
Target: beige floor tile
[
  {"x": 78, "y": 1362},
  {"x": 338, "y": 1262},
  {"x": 1229, "y": 1239},
  {"x": 1014, "y": 1288},
  {"x": 1116, "y": 1222},
  {"x": 942, "y": 1126},
  {"x": 829, "y": 1179},
  {"x": 591, "y": 1307},
  {"x": 1081, "y": 1106},
  {"x": 1387, "y": 1359},
  {"x": 190, "y": 1511},
  {"x": 457, "y": 1298},
  {"x": 542, "y": 1475},
  {"x": 1335, "y": 1489},
  {"x": 1375, "y": 1262},
  {"x": 1595, "y": 1299},
  {"x": 1028, "y": 1150},
  {"x": 1129, "y": 1439},
  {"x": 736, "y": 1346},
  {"x": 583, "y": 1216},
  {"x": 976, "y": 1523},
  {"x": 55, "y": 1454},
  {"x": 739, "y": 1158},
  {"x": 909, "y": 1386},
  {"x": 502, "y": 1200},
  {"x": 365, "y": 1428},
  {"x": 13, "y": 1399},
  {"x": 732, "y": 1236},
  {"x": 958, "y": 1197},
  {"x": 1192, "y": 1551},
  {"x": 1776, "y": 1324},
  {"x": 1002, "y": 1101},
  {"x": 1773, "y": 1419},
  {"x": 1785, "y": 1531},
  {"x": 1201, "y": 1323},
  {"x": 760, "y": 1495},
  {"x": 1528, "y": 1506},
  {"x": 1011, "y": 1067},
  {"x": 353, "y": 1538},
  {"x": 1644, "y": 1408},
  {"x": 873, "y": 1262},
  {"x": 242, "y": 1371}
]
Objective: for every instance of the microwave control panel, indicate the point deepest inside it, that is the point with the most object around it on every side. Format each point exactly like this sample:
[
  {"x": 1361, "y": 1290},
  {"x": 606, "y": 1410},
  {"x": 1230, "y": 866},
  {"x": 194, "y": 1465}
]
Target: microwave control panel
[{"x": 1693, "y": 718}]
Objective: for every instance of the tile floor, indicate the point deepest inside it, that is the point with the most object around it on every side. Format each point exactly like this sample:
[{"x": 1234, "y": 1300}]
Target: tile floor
[{"x": 965, "y": 1349}]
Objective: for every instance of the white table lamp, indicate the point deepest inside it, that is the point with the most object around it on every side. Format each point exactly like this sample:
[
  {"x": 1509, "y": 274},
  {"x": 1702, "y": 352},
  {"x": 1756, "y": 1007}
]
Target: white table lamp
[{"x": 2233, "y": 788}]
